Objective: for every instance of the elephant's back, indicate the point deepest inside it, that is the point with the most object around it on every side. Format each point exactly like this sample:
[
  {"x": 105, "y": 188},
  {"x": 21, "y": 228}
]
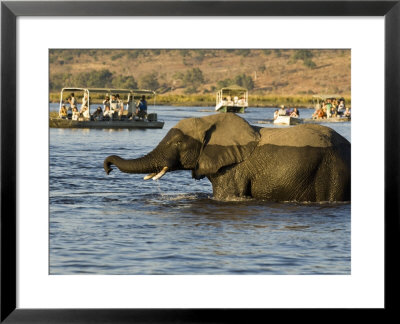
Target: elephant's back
[{"x": 302, "y": 135}]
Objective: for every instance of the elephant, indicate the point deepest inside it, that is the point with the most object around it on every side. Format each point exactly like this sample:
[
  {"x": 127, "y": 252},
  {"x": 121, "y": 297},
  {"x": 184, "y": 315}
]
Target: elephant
[{"x": 302, "y": 163}]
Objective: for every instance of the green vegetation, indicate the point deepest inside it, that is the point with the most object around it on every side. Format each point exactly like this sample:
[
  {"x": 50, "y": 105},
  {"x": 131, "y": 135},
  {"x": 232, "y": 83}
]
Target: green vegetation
[
  {"x": 242, "y": 80},
  {"x": 306, "y": 56},
  {"x": 149, "y": 81},
  {"x": 94, "y": 79}
]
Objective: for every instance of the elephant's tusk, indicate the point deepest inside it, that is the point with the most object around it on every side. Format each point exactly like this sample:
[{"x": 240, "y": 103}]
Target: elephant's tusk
[
  {"x": 160, "y": 174},
  {"x": 149, "y": 176}
]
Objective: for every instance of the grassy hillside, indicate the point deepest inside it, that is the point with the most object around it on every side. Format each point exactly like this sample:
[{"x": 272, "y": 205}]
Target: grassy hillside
[{"x": 267, "y": 73}]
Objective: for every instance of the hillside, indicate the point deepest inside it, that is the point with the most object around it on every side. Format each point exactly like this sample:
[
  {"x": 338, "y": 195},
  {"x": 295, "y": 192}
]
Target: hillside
[{"x": 264, "y": 72}]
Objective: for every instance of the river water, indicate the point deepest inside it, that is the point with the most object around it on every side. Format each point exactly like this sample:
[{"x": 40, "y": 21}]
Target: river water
[{"x": 120, "y": 224}]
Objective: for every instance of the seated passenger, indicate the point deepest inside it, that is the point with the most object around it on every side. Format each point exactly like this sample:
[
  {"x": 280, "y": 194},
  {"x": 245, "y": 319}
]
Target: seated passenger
[
  {"x": 347, "y": 112},
  {"x": 75, "y": 114},
  {"x": 295, "y": 113},
  {"x": 85, "y": 113},
  {"x": 113, "y": 104},
  {"x": 341, "y": 108},
  {"x": 63, "y": 112},
  {"x": 107, "y": 114},
  {"x": 276, "y": 114},
  {"x": 141, "y": 110},
  {"x": 282, "y": 111},
  {"x": 321, "y": 113},
  {"x": 98, "y": 114}
]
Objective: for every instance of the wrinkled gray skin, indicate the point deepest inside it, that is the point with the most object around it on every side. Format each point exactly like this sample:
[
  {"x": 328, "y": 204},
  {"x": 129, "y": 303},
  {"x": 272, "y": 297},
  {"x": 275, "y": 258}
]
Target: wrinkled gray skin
[{"x": 300, "y": 163}]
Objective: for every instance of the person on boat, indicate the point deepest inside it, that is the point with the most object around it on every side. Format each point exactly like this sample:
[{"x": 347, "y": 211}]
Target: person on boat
[
  {"x": 106, "y": 103},
  {"x": 282, "y": 111},
  {"x": 107, "y": 114},
  {"x": 75, "y": 113},
  {"x": 341, "y": 107},
  {"x": 63, "y": 112},
  {"x": 85, "y": 102},
  {"x": 85, "y": 113},
  {"x": 347, "y": 112},
  {"x": 276, "y": 114},
  {"x": 120, "y": 106},
  {"x": 72, "y": 101},
  {"x": 295, "y": 113},
  {"x": 141, "y": 110},
  {"x": 115, "y": 104},
  {"x": 98, "y": 114}
]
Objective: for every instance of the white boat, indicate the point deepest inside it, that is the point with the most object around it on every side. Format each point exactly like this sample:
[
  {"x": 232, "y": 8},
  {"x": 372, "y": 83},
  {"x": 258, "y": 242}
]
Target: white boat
[
  {"x": 287, "y": 120},
  {"x": 127, "y": 119},
  {"x": 232, "y": 99}
]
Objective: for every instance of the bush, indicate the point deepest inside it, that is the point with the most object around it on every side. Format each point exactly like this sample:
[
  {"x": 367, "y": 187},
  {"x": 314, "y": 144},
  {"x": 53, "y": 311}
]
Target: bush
[
  {"x": 302, "y": 55},
  {"x": 193, "y": 78},
  {"x": 309, "y": 63},
  {"x": 124, "y": 82},
  {"x": 149, "y": 81},
  {"x": 245, "y": 81}
]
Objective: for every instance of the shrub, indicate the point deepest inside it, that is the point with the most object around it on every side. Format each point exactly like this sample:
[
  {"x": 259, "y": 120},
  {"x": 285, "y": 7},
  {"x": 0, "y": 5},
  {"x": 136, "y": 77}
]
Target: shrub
[{"x": 149, "y": 81}]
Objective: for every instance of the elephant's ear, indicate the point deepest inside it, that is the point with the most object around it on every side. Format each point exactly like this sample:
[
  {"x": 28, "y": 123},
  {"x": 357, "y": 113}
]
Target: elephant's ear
[{"x": 227, "y": 139}]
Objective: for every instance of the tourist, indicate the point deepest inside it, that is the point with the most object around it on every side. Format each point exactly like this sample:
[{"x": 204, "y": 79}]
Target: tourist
[
  {"x": 295, "y": 113},
  {"x": 85, "y": 113},
  {"x": 85, "y": 102},
  {"x": 347, "y": 112},
  {"x": 141, "y": 110},
  {"x": 106, "y": 103},
  {"x": 72, "y": 101},
  {"x": 282, "y": 111},
  {"x": 63, "y": 112},
  {"x": 75, "y": 113},
  {"x": 341, "y": 108},
  {"x": 98, "y": 114},
  {"x": 276, "y": 114},
  {"x": 108, "y": 113}
]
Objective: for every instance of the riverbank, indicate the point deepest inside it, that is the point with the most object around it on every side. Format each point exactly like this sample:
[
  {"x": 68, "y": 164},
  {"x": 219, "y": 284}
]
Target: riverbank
[{"x": 208, "y": 100}]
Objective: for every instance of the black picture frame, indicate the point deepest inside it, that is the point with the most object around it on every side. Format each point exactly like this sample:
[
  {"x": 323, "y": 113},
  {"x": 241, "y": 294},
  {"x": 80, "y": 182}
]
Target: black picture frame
[{"x": 10, "y": 10}]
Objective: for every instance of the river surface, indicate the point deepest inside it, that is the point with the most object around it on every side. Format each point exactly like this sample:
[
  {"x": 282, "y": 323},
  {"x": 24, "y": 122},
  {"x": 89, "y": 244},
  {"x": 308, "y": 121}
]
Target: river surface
[{"x": 121, "y": 224}]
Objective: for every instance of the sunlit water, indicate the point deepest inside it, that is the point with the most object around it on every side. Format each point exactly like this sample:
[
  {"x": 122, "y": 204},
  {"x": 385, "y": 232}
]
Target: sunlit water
[{"x": 120, "y": 224}]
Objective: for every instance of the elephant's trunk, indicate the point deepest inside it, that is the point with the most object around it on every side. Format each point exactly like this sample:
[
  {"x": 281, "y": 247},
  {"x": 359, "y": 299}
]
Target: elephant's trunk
[{"x": 146, "y": 164}]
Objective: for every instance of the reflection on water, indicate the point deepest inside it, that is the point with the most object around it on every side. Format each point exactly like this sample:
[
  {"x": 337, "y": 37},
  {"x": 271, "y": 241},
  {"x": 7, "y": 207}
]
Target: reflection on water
[{"x": 120, "y": 224}]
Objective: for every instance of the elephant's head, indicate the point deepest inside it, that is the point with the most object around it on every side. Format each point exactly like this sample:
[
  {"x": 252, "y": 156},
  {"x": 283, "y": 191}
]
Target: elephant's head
[{"x": 203, "y": 145}]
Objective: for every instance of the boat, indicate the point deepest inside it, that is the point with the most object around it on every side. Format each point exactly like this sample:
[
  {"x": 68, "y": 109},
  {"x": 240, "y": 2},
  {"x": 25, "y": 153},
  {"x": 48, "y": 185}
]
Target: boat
[
  {"x": 320, "y": 99},
  {"x": 128, "y": 119},
  {"x": 232, "y": 99},
  {"x": 287, "y": 120}
]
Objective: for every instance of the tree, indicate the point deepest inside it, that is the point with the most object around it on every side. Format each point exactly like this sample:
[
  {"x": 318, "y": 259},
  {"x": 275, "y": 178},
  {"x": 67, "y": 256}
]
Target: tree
[
  {"x": 302, "y": 55},
  {"x": 244, "y": 81},
  {"x": 306, "y": 56},
  {"x": 149, "y": 81},
  {"x": 124, "y": 82},
  {"x": 193, "y": 78}
]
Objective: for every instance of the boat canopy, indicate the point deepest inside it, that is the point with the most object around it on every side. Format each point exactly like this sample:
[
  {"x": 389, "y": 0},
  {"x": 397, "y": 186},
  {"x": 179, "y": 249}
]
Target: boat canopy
[
  {"x": 234, "y": 88},
  {"x": 110, "y": 90},
  {"x": 324, "y": 97}
]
